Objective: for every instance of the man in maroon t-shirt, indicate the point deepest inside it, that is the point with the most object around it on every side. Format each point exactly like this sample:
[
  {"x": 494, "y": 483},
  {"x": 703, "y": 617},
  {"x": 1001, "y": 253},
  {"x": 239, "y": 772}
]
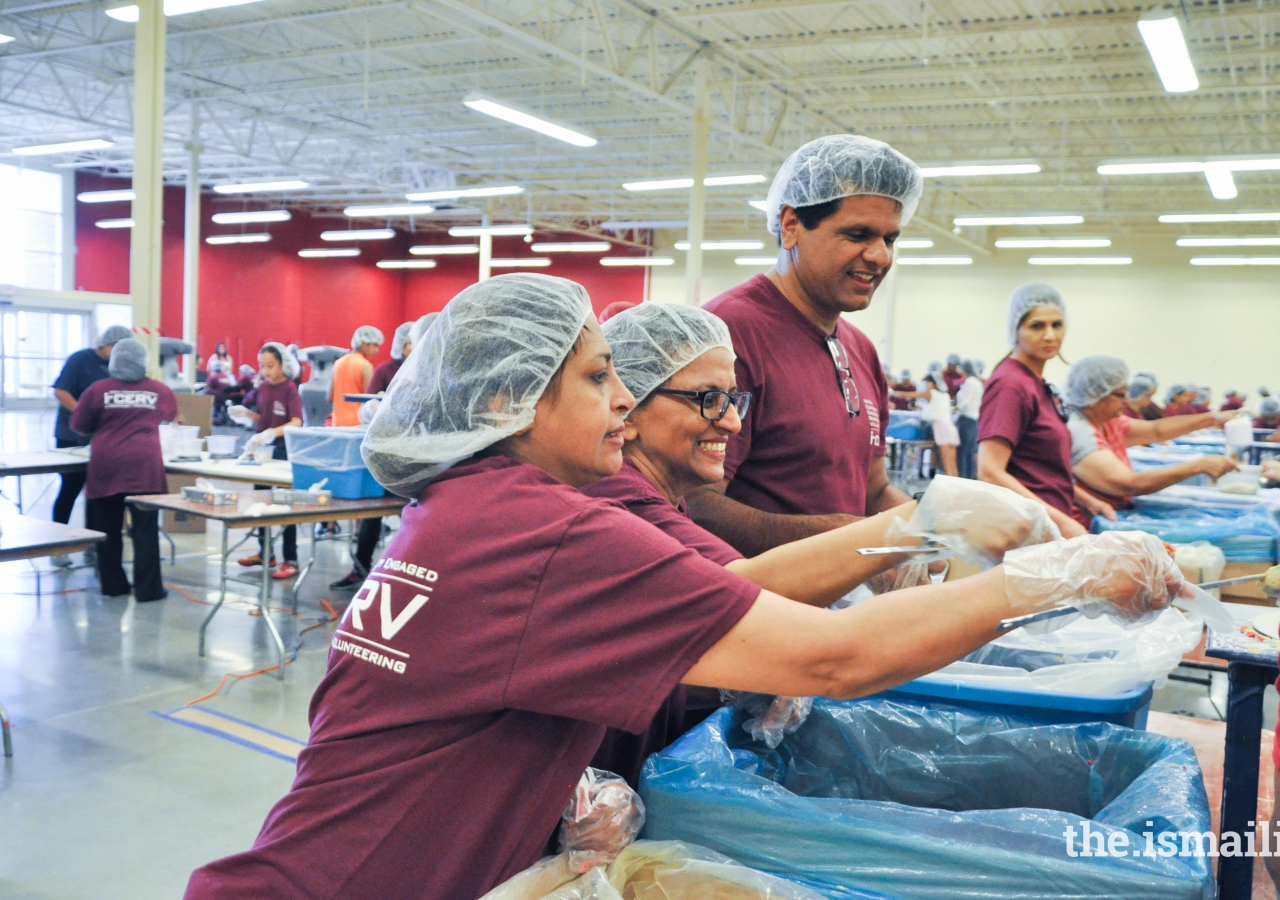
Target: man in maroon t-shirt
[{"x": 810, "y": 457}]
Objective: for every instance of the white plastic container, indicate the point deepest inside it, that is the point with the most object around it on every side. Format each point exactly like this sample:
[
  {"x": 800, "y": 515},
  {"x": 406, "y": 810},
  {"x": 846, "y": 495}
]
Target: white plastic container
[
  {"x": 1239, "y": 431},
  {"x": 1245, "y": 481},
  {"x": 187, "y": 446},
  {"x": 221, "y": 444}
]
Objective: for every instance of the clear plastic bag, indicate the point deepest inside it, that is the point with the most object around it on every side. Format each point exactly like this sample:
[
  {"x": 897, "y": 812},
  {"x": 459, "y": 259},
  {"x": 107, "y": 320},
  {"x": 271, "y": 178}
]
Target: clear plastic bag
[
  {"x": 604, "y": 815},
  {"x": 770, "y": 718}
]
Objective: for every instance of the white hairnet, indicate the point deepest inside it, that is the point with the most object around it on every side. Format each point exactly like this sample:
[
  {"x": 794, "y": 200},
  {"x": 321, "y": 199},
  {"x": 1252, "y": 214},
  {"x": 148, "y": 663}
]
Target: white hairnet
[
  {"x": 1026, "y": 297},
  {"x": 1092, "y": 378},
  {"x": 972, "y": 367},
  {"x": 112, "y": 335},
  {"x": 128, "y": 360},
  {"x": 843, "y": 165},
  {"x": 1264, "y": 391},
  {"x": 288, "y": 361},
  {"x": 420, "y": 327},
  {"x": 1139, "y": 386},
  {"x": 1270, "y": 406},
  {"x": 1174, "y": 390},
  {"x": 953, "y": 359},
  {"x": 398, "y": 339},
  {"x": 366, "y": 334},
  {"x": 476, "y": 378},
  {"x": 653, "y": 341},
  {"x": 246, "y": 371}
]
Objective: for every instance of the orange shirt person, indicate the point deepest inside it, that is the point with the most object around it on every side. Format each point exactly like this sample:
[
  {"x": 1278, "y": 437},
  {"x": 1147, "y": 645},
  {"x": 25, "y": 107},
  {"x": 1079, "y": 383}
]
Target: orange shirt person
[{"x": 352, "y": 374}]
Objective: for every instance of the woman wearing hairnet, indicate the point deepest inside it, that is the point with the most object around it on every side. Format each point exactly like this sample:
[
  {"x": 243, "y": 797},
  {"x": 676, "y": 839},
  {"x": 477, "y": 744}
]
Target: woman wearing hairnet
[
  {"x": 1269, "y": 417},
  {"x": 401, "y": 347},
  {"x": 1097, "y": 388},
  {"x": 512, "y": 619},
  {"x": 1141, "y": 402},
  {"x": 1023, "y": 441},
  {"x": 123, "y": 412},
  {"x": 352, "y": 374}
]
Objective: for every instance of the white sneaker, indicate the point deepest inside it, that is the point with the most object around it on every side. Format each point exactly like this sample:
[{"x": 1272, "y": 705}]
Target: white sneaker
[{"x": 62, "y": 561}]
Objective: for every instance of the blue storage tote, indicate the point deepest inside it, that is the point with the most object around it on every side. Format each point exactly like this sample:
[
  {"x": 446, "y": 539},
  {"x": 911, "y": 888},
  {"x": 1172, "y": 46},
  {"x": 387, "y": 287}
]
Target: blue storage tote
[
  {"x": 925, "y": 802},
  {"x": 333, "y": 453},
  {"x": 1049, "y": 707},
  {"x": 1243, "y": 535}
]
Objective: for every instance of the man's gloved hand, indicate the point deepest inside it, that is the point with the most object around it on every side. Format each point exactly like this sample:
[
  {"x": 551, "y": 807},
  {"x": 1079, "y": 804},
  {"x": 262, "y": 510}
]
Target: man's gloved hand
[
  {"x": 603, "y": 817},
  {"x": 772, "y": 718},
  {"x": 1127, "y": 574}
]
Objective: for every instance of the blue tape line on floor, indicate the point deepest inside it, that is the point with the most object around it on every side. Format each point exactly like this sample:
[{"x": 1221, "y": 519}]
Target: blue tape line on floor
[{"x": 237, "y": 731}]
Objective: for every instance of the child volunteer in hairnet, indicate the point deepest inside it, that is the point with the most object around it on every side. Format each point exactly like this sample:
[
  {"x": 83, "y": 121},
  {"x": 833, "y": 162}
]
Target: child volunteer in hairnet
[
  {"x": 513, "y": 619},
  {"x": 123, "y": 412},
  {"x": 278, "y": 406},
  {"x": 678, "y": 363},
  {"x": 1096, "y": 394},
  {"x": 401, "y": 346}
]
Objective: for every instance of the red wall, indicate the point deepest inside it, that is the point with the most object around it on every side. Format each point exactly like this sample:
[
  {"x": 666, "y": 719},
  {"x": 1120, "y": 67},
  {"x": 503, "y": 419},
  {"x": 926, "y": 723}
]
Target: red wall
[{"x": 254, "y": 293}]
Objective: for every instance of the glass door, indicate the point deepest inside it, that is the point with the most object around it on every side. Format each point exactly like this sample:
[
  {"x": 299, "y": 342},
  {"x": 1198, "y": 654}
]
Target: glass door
[{"x": 34, "y": 344}]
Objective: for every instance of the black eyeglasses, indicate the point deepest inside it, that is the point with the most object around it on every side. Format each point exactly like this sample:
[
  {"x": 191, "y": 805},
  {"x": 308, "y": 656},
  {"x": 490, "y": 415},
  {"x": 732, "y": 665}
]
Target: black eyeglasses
[
  {"x": 1058, "y": 406},
  {"x": 852, "y": 400},
  {"x": 714, "y": 404}
]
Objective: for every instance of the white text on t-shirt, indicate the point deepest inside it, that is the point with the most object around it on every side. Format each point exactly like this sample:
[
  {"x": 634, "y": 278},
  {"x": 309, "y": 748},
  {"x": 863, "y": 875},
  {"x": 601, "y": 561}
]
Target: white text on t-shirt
[{"x": 130, "y": 399}]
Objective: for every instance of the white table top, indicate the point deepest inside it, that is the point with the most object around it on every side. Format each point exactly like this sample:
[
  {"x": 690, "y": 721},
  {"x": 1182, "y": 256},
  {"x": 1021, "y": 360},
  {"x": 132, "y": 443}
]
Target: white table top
[
  {"x": 273, "y": 472},
  {"x": 35, "y": 462}
]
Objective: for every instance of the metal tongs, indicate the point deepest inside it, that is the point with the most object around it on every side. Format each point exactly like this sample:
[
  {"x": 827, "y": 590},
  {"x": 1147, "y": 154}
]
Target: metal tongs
[
  {"x": 1019, "y": 621},
  {"x": 925, "y": 547}
]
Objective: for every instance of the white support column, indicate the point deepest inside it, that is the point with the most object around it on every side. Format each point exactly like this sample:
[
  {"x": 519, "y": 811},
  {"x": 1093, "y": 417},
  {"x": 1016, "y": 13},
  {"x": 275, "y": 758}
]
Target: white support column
[
  {"x": 886, "y": 296},
  {"x": 191, "y": 248},
  {"x": 148, "y": 174},
  {"x": 486, "y": 254},
  {"x": 698, "y": 193}
]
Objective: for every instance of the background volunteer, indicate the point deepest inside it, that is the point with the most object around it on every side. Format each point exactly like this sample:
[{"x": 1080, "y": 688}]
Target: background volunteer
[
  {"x": 80, "y": 370},
  {"x": 937, "y": 415},
  {"x": 1141, "y": 403},
  {"x": 968, "y": 408},
  {"x": 123, "y": 412},
  {"x": 811, "y": 455},
  {"x": 528, "y": 633},
  {"x": 352, "y": 374},
  {"x": 401, "y": 346}
]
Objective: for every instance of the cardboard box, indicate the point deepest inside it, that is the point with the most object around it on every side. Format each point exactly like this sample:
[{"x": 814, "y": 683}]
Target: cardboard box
[
  {"x": 178, "y": 522},
  {"x": 1247, "y": 592},
  {"x": 197, "y": 409}
]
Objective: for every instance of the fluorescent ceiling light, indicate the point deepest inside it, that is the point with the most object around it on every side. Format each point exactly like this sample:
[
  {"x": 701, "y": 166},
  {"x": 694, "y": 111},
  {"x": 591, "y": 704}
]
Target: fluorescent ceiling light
[
  {"x": 1171, "y": 167},
  {"x": 326, "y": 253},
  {"x": 445, "y": 249},
  {"x": 1265, "y": 241},
  {"x": 104, "y": 196},
  {"x": 1221, "y": 184},
  {"x": 237, "y": 239},
  {"x": 252, "y": 216},
  {"x": 1236, "y": 261},
  {"x": 1162, "y": 34},
  {"x": 64, "y": 147},
  {"x": 406, "y": 264},
  {"x": 573, "y": 247},
  {"x": 644, "y": 224},
  {"x": 4, "y": 38},
  {"x": 755, "y": 260},
  {"x": 637, "y": 261},
  {"x": 1176, "y": 218},
  {"x": 724, "y": 245},
  {"x": 114, "y": 223},
  {"x": 1080, "y": 260},
  {"x": 935, "y": 260},
  {"x": 528, "y": 262},
  {"x": 913, "y": 244},
  {"x": 491, "y": 230},
  {"x": 257, "y": 186},
  {"x": 762, "y": 205},
  {"x": 508, "y": 113},
  {"x": 966, "y": 170},
  {"x": 458, "y": 193},
  {"x": 1047, "y": 243},
  {"x": 383, "y": 210},
  {"x": 131, "y": 13},
  {"x": 367, "y": 234},
  {"x": 1018, "y": 220},
  {"x": 672, "y": 184}
]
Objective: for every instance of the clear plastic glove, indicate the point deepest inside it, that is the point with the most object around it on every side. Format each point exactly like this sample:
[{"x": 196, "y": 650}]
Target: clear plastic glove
[
  {"x": 259, "y": 440},
  {"x": 1126, "y": 574},
  {"x": 240, "y": 415},
  {"x": 975, "y": 521},
  {"x": 906, "y": 575},
  {"x": 603, "y": 817},
  {"x": 772, "y": 718}
]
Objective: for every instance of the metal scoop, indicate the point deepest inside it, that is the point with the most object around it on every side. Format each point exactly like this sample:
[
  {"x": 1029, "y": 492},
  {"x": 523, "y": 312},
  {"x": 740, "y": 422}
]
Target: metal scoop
[{"x": 926, "y": 547}]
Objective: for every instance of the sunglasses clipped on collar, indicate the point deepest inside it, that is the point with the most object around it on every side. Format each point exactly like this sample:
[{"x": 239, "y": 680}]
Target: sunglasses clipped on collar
[
  {"x": 852, "y": 400},
  {"x": 1058, "y": 406}
]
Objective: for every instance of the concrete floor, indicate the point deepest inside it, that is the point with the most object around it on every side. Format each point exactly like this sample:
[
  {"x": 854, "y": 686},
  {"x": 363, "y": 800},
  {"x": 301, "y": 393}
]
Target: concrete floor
[{"x": 107, "y": 799}]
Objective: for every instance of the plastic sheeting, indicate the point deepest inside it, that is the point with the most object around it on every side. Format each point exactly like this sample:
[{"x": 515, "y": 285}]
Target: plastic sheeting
[
  {"x": 1244, "y": 535},
  {"x": 329, "y": 449},
  {"x": 934, "y": 802},
  {"x": 653, "y": 870}
]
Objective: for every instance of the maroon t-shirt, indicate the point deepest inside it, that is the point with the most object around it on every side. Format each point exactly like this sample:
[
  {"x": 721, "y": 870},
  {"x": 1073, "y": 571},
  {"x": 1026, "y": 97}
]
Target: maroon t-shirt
[
  {"x": 799, "y": 451},
  {"x": 1018, "y": 406},
  {"x": 954, "y": 382},
  {"x": 511, "y": 620},
  {"x": 277, "y": 404},
  {"x": 383, "y": 374},
  {"x": 124, "y": 418}
]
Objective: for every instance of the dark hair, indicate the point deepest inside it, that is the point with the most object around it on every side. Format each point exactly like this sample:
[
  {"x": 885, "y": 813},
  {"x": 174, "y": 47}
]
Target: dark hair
[
  {"x": 812, "y": 216},
  {"x": 274, "y": 351},
  {"x": 552, "y": 390}
]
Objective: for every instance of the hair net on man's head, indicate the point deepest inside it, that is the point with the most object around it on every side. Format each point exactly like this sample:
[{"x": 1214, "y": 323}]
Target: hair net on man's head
[
  {"x": 1026, "y": 297},
  {"x": 953, "y": 359},
  {"x": 1270, "y": 406},
  {"x": 476, "y": 377},
  {"x": 128, "y": 360},
  {"x": 654, "y": 341},
  {"x": 1139, "y": 386},
  {"x": 112, "y": 335},
  {"x": 366, "y": 334},
  {"x": 420, "y": 327},
  {"x": 398, "y": 339},
  {"x": 843, "y": 165},
  {"x": 288, "y": 361},
  {"x": 1092, "y": 378}
]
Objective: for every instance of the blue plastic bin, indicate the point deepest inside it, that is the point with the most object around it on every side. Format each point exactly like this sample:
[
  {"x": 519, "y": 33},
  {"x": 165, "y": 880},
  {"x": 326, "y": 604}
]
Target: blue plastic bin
[
  {"x": 332, "y": 453},
  {"x": 1049, "y": 707},
  {"x": 935, "y": 802},
  {"x": 346, "y": 484}
]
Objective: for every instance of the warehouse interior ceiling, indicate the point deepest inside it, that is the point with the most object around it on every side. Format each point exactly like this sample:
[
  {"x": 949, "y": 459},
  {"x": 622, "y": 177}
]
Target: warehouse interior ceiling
[{"x": 364, "y": 100}]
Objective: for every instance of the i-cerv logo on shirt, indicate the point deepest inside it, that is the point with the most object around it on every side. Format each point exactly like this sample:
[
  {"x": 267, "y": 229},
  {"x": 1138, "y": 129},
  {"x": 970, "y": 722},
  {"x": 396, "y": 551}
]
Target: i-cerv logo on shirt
[
  {"x": 873, "y": 420},
  {"x": 130, "y": 399},
  {"x": 379, "y": 588}
]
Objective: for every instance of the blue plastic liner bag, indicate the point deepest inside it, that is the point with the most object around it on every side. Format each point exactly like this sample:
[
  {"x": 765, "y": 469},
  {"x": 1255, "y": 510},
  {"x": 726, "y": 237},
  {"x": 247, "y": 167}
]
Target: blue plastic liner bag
[
  {"x": 886, "y": 798},
  {"x": 1244, "y": 535}
]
